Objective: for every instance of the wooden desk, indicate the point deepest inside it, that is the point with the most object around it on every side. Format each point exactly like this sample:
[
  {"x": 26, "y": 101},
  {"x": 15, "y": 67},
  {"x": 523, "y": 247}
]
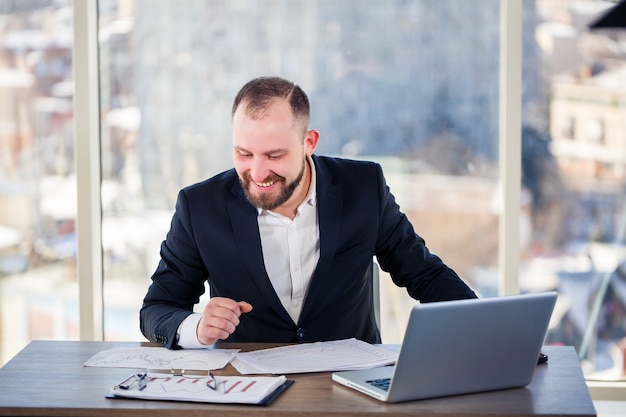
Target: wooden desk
[{"x": 48, "y": 379}]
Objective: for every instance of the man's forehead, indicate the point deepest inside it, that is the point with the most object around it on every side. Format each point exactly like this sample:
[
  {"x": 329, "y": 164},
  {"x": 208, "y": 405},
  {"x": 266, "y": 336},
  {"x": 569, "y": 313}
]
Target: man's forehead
[{"x": 259, "y": 110}]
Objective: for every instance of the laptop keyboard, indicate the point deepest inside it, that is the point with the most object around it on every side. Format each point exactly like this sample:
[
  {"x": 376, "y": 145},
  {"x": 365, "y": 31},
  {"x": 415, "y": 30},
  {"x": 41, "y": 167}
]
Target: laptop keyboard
[{"x": 382, "y": 383}]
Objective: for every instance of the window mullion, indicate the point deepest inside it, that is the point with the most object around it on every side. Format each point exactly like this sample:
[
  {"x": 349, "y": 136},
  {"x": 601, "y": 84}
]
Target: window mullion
[
  {"x": 88, "y": 173},
  {"x": 510, "y": 155}
]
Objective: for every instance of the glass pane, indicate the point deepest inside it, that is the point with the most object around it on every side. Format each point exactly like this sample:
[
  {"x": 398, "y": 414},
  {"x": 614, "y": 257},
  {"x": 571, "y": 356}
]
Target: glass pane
[
  {"x": 388, "y": 81},
  {"x": 574, "y": 172},
  {"x": 38, "y": 290}
]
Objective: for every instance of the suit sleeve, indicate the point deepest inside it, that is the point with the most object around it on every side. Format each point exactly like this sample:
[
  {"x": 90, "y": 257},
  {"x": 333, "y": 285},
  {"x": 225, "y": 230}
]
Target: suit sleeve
[
  {"x": 403, "y": 253},
  {"x": 177, "y": 283}
]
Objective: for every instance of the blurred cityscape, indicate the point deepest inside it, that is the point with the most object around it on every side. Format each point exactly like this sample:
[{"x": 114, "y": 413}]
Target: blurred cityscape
[{"x": 420, "y": 97}]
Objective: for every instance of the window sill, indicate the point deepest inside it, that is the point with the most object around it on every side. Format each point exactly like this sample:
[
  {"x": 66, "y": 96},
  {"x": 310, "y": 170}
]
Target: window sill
[{"x": 607, "y": 390}]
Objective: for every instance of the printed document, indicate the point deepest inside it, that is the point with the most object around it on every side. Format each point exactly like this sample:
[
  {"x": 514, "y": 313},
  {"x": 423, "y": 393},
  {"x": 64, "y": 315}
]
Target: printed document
[
  {"x": 335, "y": 355},
  {"x": 161, "y": 358},
  {"x": 229, "y": 389}
]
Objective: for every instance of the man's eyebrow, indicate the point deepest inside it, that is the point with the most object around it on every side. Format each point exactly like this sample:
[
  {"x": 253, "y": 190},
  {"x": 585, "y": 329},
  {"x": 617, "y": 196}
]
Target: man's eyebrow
[
  {"x": 275, "y": 151},
  {"x": 270, "y": 152}
]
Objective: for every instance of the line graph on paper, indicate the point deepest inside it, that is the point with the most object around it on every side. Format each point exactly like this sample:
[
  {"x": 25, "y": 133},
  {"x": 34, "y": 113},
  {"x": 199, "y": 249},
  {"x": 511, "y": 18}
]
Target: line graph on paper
[
  {"x": 161, "y": 358},
  {"x": 195, "y": 386},
  {"x": 315, "y": 357}
]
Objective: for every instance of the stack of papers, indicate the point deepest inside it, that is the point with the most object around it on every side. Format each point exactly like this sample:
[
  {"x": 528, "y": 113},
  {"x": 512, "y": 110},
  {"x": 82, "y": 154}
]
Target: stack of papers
[
  {"x": 336, "y": 355},
  {"x": 330, "y": 356}
]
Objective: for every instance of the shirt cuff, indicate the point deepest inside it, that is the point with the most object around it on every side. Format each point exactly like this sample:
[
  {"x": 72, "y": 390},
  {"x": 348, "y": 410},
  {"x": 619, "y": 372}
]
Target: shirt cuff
[{"x": 187, "y": 336}]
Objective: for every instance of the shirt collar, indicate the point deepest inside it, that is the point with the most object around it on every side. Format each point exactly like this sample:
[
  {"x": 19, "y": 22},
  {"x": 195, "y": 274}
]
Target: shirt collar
[{"x": 312, "y": 196}]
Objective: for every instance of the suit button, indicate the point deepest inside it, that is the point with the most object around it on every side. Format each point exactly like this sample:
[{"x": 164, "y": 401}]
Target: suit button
[{"x": 300, "y": 333}]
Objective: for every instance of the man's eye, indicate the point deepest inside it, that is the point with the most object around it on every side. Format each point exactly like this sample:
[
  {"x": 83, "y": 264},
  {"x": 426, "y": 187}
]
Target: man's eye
[{"x": 275, "y": 156}]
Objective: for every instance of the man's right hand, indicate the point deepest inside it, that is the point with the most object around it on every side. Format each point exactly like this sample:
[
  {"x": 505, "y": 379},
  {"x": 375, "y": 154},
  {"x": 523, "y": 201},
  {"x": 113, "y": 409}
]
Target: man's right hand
[{"x": 219, "y": 319}]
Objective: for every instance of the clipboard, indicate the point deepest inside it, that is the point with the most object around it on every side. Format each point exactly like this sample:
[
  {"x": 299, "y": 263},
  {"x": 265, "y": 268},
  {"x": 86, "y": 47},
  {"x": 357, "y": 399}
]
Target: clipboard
[{"x": 259, "y": 390}]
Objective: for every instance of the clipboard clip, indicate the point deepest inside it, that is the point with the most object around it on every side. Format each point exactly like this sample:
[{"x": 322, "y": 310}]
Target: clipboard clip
[{"x": 128, "y": 383}]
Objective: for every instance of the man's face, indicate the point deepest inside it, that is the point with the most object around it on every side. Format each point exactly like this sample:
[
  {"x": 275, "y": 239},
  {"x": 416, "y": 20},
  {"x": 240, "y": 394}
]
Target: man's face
[{"x": 270, "y": 157}]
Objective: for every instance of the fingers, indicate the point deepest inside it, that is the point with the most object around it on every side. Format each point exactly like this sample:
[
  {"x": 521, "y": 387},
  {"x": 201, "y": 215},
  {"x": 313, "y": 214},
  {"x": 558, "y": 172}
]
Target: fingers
[
  {"x": 244, "y": 307},
  {"x": 219, "y": 319}
]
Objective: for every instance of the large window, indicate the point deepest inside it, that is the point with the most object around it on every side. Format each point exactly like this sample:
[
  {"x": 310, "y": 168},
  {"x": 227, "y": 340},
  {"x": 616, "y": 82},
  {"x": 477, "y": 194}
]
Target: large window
[
  {"x": 412, "y": 84},
  {"x": 411, "y": 95},
  {"x": 38, "y": 289},
  {"x": 575, "y": 173}
]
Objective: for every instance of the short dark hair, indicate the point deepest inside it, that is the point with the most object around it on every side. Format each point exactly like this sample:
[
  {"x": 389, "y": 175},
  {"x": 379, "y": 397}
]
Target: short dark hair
[{"x": 259, "y": 94}]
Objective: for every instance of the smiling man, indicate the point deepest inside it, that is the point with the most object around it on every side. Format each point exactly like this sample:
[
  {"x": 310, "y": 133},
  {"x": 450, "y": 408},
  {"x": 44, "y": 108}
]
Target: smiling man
[
  {"x": 284, "y": 239},
  {"x": 271, "y": 148}
]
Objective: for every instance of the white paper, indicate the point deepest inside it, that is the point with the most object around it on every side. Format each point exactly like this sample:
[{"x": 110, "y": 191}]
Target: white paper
[
  {"x": 335, "y": 355},
  {"x": 231, "y": 389},
  {"x": 162, "y": 358}
]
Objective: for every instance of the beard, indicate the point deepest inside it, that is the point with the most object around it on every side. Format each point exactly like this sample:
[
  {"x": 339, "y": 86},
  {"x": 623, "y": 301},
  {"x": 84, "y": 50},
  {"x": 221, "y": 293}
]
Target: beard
[{"x": 269, "y": 201}]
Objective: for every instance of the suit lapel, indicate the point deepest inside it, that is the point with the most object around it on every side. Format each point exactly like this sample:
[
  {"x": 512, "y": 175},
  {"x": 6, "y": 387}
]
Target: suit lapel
[
  {"x": 329, "y": 209},
  {"x": 243, "y": 218}
]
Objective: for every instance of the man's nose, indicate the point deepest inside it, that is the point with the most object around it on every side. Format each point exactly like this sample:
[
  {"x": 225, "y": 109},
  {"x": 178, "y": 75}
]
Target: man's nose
[{"x": 259, "y": 170}]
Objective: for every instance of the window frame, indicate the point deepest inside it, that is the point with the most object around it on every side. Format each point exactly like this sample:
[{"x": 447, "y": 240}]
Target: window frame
[{"x": 88, "y": 171}]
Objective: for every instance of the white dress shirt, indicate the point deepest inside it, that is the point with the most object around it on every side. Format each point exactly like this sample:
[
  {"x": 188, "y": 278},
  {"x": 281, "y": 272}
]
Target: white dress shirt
[{"x": 290, "y": 253}]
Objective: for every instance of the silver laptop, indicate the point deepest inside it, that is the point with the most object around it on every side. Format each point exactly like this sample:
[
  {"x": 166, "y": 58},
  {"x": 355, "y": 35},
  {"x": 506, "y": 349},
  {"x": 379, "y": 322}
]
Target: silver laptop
[{"x": 461, "y": 347}]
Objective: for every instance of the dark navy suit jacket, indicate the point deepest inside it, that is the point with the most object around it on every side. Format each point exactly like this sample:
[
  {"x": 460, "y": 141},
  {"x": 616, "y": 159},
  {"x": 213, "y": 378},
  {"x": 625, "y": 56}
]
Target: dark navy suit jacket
[{"x": 214, "y": 236}]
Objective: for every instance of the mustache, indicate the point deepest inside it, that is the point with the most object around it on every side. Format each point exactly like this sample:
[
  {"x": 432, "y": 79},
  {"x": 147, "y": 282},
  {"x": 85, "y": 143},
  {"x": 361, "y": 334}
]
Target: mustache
[{"x": 247, "y": 178}]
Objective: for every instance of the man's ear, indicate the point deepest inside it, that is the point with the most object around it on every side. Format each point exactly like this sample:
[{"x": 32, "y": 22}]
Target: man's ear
[{"x": 310, "y": 142}]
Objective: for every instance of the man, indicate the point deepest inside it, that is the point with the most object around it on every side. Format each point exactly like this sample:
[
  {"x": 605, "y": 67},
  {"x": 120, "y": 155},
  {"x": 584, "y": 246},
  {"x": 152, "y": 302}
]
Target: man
[{"x": 284, "y": 239}]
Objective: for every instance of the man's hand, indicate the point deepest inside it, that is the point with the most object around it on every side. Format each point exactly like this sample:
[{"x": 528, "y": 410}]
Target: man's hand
[{"x": 219, "y": 319}]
